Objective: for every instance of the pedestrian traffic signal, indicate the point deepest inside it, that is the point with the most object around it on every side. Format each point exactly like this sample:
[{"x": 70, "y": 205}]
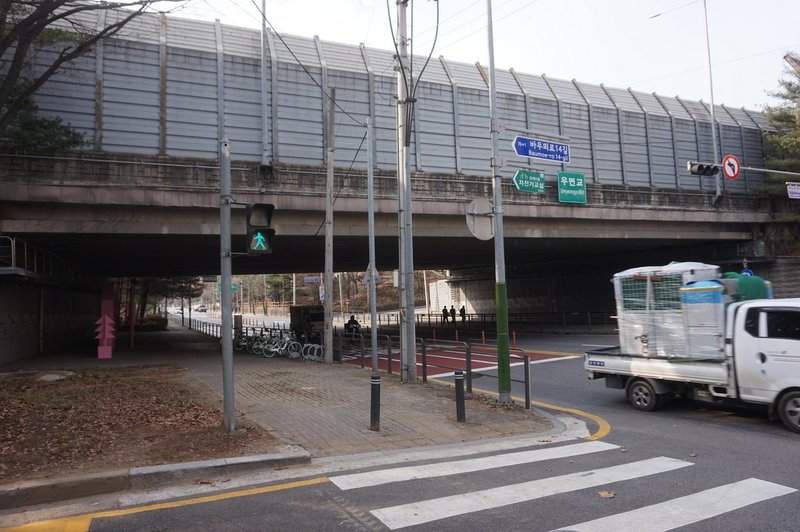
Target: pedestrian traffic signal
[
  {"x": 696, "y": 168},
  {"x": 259, "y": 228}
]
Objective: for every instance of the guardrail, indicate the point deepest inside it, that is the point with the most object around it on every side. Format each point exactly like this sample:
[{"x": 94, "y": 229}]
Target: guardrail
[{"x": 17, "y": 257}]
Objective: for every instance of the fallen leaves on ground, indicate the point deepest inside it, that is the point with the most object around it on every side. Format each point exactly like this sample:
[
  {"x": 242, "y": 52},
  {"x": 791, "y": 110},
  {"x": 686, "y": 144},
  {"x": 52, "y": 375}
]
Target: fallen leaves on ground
[{"x": 97, "y": 419}]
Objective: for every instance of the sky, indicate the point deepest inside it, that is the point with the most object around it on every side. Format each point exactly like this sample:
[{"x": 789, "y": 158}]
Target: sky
[{"x": 615, "y": 42}]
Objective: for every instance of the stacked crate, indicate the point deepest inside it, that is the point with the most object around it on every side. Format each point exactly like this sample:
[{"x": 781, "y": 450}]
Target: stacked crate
[{"x": 651, "y": 314}]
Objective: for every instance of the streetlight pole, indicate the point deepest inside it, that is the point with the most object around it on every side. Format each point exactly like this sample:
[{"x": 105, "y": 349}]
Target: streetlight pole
[{"x": 715, "y": 142}]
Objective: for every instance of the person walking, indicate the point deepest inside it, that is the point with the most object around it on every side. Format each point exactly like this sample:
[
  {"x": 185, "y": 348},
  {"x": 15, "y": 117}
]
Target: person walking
[
  {"x": 463, "y": 313},
  {"x": 445, "y": 315},
  {"x": 453, "y": 314}
]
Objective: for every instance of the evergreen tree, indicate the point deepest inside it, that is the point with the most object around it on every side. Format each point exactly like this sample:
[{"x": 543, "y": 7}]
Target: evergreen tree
[{"x": 782, "y": 152}]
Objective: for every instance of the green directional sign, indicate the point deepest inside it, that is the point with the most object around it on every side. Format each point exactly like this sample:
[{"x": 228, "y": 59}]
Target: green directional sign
[
  {"x": 528, "y": 181},
  {"x": 571, "y": 187}
]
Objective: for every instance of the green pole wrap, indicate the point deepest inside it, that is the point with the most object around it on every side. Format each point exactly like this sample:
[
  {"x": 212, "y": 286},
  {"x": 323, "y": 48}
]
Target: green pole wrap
[{"x": 503, "y": 359}]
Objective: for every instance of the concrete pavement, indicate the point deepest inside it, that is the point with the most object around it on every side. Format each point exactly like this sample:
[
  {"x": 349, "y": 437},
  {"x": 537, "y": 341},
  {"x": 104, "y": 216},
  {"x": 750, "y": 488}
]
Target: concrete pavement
[{"x": 315, "y": 410}]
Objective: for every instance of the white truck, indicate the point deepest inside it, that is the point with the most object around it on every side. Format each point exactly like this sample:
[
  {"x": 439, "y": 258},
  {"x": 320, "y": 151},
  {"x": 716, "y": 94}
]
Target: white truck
[{"x": 701, "y": 345}]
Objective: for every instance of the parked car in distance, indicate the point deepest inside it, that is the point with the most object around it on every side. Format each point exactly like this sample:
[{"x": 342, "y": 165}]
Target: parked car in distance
[{"x": 201, "y": 308}]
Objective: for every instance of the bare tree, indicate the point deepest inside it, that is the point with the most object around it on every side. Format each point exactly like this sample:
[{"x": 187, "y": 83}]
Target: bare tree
[{"x": 61, "y": 25}]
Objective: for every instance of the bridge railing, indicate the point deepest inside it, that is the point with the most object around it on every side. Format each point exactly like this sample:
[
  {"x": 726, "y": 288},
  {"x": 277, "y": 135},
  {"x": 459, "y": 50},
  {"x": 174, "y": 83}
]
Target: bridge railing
[
  {"x": 17, "y": 257},
  {"x": 474, "y": 323}
]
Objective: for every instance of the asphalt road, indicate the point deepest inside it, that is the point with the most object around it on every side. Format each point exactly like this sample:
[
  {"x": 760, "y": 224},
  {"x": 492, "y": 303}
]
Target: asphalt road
[{"x": 686, "y": 467}]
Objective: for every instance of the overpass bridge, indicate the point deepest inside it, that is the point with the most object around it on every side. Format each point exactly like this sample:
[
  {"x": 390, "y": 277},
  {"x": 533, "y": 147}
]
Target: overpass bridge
[
  {"x": 142, "y": 197},
  {"x": 154, "y": 102},
  {"x": 108, "y": 215}
]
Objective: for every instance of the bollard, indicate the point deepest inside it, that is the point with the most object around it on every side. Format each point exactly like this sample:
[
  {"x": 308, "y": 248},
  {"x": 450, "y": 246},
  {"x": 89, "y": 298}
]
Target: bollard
[
  {"x": 460, "y": 415},
  {"x": 375, "y": 402},
  {"x": 527, "y": 372},
  {"x": 514, "y": 338},
  {"x": 483, "y": 337},
  {"x": 456, "y": 335}
]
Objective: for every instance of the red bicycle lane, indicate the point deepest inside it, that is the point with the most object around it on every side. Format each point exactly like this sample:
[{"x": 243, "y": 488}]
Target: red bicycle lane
[{"x": 443, "y": 360}]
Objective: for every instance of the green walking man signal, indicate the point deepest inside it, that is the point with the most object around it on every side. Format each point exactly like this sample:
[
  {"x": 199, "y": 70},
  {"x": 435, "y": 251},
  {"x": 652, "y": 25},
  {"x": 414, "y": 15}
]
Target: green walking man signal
[{"x": 259, "y": 228}]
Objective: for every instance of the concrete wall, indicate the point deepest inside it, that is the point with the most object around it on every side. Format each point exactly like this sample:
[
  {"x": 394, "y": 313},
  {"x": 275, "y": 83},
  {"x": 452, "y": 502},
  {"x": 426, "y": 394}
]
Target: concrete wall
[
  {"x": 783, "y": 273},
  {"x": 37, "y": 318}
]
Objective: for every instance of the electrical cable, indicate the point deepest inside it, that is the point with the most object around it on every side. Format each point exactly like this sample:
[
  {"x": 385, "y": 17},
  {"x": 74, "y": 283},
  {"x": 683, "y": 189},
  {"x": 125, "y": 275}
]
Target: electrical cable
[
  {"x": 336, "y": 104},
  {"x": 346, "y": 175},
  {"x": 394, "y": 42}
]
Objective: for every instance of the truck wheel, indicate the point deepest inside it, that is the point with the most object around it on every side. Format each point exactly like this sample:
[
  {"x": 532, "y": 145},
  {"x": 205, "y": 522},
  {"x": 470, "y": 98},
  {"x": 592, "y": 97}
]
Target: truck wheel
[
  {"x": 789, "y": 410},
  {"x": 642, "y": 396}
]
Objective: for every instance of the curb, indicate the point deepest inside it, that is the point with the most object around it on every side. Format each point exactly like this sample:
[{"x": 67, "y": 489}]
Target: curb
[{"x": 29, "y": 493}]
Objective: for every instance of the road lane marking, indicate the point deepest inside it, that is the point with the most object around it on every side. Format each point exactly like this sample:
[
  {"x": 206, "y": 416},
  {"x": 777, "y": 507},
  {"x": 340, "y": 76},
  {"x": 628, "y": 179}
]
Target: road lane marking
[
  {"x": 399, "y": 474},
  {"x": 82, "y": 523},
  {"x": 603, "y": 427},
  {"x": 417, "y": 513},
  {"x": 689, "y": 509}
]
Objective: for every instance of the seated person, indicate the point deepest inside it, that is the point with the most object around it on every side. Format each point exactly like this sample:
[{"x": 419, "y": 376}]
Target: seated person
[{"x": 352, "y": 326}]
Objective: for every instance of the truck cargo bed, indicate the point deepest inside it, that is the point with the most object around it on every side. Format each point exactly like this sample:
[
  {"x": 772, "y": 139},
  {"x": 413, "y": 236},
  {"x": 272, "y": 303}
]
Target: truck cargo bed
[{"x": 611, "y": 361}]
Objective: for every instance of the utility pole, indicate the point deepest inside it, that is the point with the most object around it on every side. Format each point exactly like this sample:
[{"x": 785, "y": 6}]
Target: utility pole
[
  {"x": 501, "y": 291},
  {"x": 229, "y": 415},
  {"x": 375, "y": 378},
  {"x": 328, "y": 303},
  {"x": 406, "y": 267}
]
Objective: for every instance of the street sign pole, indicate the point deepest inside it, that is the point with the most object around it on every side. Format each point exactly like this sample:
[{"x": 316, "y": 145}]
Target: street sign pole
[{"x": 501, "y": 291}]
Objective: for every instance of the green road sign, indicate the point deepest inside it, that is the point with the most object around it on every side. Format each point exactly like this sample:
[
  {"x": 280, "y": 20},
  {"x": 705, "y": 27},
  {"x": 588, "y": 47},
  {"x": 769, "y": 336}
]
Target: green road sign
[
  {"x": 571, "y": 187},
  {"x": 528, "y": 181}
]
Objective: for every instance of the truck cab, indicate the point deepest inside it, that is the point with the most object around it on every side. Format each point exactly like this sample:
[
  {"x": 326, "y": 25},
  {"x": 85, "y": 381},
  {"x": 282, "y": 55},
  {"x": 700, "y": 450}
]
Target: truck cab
[{"x": 762, "y": 340}]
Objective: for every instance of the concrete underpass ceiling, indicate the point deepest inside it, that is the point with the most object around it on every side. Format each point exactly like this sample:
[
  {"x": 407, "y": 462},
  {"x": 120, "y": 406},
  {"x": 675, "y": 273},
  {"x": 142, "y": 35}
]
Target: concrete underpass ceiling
[{"x": 173, "y": 255}]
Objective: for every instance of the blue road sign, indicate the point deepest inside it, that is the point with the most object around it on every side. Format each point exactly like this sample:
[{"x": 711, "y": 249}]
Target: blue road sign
[{"x": 541, "y": 149}]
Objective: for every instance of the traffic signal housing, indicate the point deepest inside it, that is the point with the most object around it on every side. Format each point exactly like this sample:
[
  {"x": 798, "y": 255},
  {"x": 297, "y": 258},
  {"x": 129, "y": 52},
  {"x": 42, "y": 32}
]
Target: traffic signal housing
[
  {"x": 697, "y": 168},
  {"x": 259, "y": 228}
]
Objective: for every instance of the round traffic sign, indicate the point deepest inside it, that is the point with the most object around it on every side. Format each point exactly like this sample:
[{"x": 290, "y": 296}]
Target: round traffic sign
[{"x": 731, "y": 166}]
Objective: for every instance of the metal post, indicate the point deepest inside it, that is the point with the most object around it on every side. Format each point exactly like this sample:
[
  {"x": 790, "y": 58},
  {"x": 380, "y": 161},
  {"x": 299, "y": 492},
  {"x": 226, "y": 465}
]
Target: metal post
[
  {"x": 375, "y": 396},
  {"x": 229, "y": 415},
  {"x": 373, "y": 272},
  {"x": 460, "y": 414},
  {"x": 527, "y": 363},
  {"x": 408, "y": 364},
  {"x": 468, "y": 363},
  {"x": 501, "y": 291},
  {"x": 328, "y": 303}
]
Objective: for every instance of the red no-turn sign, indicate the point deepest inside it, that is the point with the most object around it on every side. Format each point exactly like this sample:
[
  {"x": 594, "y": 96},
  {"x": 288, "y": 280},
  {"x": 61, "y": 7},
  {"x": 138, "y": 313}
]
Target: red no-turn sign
[{"x": 731, "y": 166}]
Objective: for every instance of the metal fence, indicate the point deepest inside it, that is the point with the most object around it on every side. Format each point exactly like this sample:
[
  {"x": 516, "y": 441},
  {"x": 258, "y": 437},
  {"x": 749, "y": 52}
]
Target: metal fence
[
  {"x": 353, "y": 347},
  {"x": 17, "y": 257}
]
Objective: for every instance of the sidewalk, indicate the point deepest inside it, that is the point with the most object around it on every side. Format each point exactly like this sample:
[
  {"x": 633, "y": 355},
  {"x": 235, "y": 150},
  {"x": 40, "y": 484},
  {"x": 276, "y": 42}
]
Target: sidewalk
[{"x": 316, "y": 410}]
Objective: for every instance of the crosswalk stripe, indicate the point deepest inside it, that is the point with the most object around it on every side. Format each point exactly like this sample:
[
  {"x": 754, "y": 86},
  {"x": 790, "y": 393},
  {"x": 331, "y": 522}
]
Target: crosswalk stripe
[
  {"x": 416, "y": 513},
  {"x": 687, "y": 510},
  {"x": 397, "y": 474}
]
